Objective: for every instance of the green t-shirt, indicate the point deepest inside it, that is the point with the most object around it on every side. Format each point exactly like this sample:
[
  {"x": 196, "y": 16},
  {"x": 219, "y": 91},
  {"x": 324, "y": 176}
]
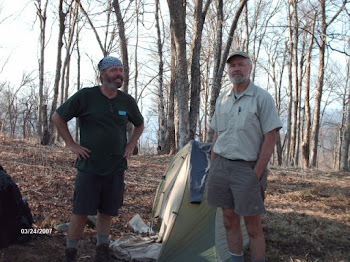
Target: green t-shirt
[{"x": 102, "y": 123}]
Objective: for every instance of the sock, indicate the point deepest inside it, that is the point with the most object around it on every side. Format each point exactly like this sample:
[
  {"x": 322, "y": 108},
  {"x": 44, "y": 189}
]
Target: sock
[
  {"x": 102, "y": 239},
  {"x": 259, "y": 260},
  {"x": 237, "y": 258},
  {"x": 72, "y": 244}
]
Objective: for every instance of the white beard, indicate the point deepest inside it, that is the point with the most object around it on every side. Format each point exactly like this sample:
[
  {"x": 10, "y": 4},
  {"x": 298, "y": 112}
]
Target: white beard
[{"x": 239, "y": 80}]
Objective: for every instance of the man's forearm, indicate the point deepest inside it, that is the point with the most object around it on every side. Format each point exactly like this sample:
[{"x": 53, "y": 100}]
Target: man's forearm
[
  {"x": 136, "y": 134},
  {"x": 266, "y": 151},
  {"x": 213, "y": 154},
  {"x": 62, "y": 128}
]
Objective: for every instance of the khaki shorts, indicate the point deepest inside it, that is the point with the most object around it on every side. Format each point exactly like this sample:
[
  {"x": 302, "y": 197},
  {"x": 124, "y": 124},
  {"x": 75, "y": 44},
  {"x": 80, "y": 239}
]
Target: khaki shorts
[{"x": 234, "y": 184}]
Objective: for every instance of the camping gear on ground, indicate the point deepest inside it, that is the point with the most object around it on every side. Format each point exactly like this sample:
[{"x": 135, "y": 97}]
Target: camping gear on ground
[
  {"x": 130, "y": 247},
  {"x": 15, "y": 217},
  {"x": 188, "y": 228}
]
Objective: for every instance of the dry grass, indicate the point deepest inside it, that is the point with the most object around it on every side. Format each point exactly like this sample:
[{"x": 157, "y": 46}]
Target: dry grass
[{"x": 308, "y": 215}]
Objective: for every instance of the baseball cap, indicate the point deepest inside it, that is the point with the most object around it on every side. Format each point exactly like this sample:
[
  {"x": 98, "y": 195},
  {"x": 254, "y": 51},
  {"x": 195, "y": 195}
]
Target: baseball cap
[{"x": 240, "y": 53}]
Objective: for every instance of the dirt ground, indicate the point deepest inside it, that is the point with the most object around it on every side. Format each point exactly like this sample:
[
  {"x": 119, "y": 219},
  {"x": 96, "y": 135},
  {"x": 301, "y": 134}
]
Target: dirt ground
[{"x": 308, "y": 216}]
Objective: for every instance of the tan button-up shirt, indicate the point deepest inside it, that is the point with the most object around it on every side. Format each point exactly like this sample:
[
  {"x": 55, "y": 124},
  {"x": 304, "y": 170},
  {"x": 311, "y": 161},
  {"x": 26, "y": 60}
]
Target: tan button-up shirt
[{"x": 242, "y": 123}]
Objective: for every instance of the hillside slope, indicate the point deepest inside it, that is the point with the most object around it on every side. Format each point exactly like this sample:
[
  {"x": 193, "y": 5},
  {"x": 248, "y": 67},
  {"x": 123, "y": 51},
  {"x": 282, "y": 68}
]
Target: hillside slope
[{"x": 308, "y": 215}]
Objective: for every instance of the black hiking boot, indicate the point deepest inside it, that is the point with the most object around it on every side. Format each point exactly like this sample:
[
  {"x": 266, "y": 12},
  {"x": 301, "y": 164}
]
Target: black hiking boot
[
  {"x": 71, "y": 254},
  {"x": 102, "y": 253}
]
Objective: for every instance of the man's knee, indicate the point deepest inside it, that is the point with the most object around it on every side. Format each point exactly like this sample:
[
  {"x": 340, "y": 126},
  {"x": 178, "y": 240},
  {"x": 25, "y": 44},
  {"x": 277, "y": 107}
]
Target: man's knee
[
  {"x": 79, "y": 219},
  {"x": 254, "y": 226},
  {"x": 231, "y": 219},
  {"x": 104, "y": 217}
]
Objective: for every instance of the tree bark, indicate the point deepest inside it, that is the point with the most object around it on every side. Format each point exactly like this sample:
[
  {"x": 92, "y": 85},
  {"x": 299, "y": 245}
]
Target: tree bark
[
  {"x": 220, "y": 61},
  {"x": 123, "y": 45},
  {"x": 62, "y": 18},
  {"x": 306, "y": 137},
  {"x": 294, "y": 49},
  {"x": 162, "y": 127},
  {"x": 177, "y": 9},
  {"x": 170, "y": 136},
  {"x": 66, "y": 64},
  {"x": 344, "y": 165},
  {"x": 321, "y": 71},
  {"x": 199, "y": 19},
  {"x": 42, "y": 14},
  {"x": 290, "y": 104},
  {"x": 78, "y": 80}
]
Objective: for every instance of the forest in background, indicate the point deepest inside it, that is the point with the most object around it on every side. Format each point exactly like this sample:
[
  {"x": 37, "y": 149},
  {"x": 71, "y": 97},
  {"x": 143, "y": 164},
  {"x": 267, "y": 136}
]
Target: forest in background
[{"x": 174, "y": 55}]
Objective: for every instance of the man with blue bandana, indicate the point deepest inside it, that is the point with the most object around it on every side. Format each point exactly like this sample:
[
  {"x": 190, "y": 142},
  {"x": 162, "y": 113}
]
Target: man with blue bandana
[{"x": 103, "y": 112}]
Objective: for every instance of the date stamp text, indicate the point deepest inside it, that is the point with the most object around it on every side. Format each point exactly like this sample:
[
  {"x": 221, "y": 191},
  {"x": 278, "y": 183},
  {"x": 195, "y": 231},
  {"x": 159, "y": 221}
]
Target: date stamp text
[{"x": 36, "y": 231}]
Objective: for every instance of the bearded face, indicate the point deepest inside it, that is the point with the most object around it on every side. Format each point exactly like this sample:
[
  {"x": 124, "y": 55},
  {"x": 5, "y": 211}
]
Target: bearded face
[
  {"x": 239, "y": 78},
  {"x": 113, "y": 77},
  {"x": 239, "y": 69}
]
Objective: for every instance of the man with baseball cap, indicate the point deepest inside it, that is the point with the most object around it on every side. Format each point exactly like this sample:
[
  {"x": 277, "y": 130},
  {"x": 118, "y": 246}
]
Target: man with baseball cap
[
  {"x": 103, "y": 112},
  {"x": 246, "y": 123}
]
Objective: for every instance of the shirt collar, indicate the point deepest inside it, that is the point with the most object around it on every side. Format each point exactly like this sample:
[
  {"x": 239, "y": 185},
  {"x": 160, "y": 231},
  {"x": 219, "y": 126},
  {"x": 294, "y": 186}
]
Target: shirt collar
[{"x": 249, "y": 90}]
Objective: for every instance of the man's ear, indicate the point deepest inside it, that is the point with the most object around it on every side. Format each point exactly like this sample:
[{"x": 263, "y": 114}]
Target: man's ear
[{"x": 101, "y": 73}]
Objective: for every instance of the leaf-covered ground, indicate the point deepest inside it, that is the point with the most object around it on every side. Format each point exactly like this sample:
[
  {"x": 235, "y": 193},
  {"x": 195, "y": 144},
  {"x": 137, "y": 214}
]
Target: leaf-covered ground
[{"x": 308, "y": 215}]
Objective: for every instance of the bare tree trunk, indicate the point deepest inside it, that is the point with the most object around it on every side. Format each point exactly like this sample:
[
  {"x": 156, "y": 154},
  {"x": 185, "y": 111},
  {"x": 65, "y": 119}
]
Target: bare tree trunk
[
  {"x": 78, "y": 79},
  {"x": 177, "y": 9},
  {"x": 136, "y": 149},
  {"x": 319, "y": 92},
  {"x": 205, "y": 102},
  {"x": 170, "y": 137},
  {"x": 136, "y": 47},
  {"x": 290, "y": 95},
  {"x": 338, "y": 149},
  {"x": 199, "y": 19},
  {"x": 221, "y": 62},
  {"x": 301, "y": 114},
  {"x": 217, "y": 60},
  {"x": 272, "y": 71},
  {"x": 62, "y": 18},
  {"x": 344, "y": 166},
  {"x": 125, "y": 58},
  {"x": 278, "y": 103},
  {"x": 123, "y": 45},
  {"x": 42, "y": 14},
  {"x": 278, "y": 100},
  {"x": 162, "y": 126},
  {"x": 294, "y": 48},
  {"x": 306, "y": 138},
  {"x": 66, "y": 64},
  {"x": 246, "y": 20}
]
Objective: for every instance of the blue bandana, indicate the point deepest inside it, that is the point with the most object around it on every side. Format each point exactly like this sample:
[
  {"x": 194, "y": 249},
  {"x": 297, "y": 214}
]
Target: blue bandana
[{"x": 109, "y": 61}]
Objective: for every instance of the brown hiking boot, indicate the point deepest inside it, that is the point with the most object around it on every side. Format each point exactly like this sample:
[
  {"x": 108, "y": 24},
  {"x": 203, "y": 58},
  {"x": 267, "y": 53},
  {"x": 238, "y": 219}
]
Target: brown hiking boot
[
  {"x": 102, "y": 253},
  {"x": 71, "y": 254}
]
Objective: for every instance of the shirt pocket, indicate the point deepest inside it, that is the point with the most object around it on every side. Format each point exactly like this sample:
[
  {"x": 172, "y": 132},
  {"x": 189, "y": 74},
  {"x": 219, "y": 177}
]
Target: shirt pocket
[
  {"x": 221, "y": 121},
  {"x": 122, "y": 117},
  {"x": 247, "y": 121}
]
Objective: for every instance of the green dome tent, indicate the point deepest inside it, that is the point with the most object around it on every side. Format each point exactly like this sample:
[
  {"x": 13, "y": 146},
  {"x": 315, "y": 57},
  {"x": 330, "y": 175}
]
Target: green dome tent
[{"x": 190, "y": 229}]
